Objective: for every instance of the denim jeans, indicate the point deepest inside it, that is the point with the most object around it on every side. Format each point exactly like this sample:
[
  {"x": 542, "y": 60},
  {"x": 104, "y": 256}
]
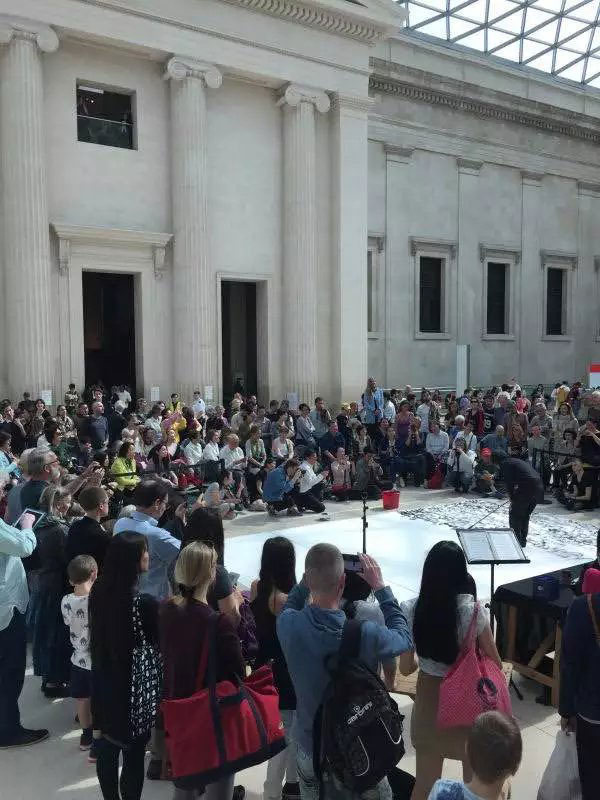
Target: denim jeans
[
  {"x": 332, "y": 789},
  {"x": 283, "y": 764}
]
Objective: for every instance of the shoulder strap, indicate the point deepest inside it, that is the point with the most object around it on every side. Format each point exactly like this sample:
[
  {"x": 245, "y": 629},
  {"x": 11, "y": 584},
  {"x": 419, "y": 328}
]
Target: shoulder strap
[
  {"x": 350, "y": 644},
  {"x": 594, "y": 618},
  {"x": 469, "y": 640}
]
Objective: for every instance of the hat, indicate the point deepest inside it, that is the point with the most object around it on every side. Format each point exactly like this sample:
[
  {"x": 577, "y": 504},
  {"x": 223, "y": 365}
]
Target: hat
[{"x": 485, "y": 451}]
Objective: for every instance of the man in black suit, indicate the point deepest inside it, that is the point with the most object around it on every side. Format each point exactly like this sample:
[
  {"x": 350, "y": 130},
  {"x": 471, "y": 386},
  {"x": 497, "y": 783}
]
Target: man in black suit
[{"x": 525, "y": 489}]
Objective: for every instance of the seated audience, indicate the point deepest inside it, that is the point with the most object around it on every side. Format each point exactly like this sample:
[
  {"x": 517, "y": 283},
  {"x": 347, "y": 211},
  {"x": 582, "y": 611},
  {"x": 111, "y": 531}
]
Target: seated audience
[
  {"x": 278, "y": 488},
  {"x": 330, "y": 443},
  {"x": 436, "y": 449},
  {"x": 309, "y": 494},
  {"x": 124, "y": 468},
  {"x": 282, "y": 447},
  {"x": 368, "y": 478},
  {"x": 486, "y": 473},
  {"x": 496, "y": 442},
  {"x": 460, "y": 467},
  {"x": 409, "y": 456},
  {"x": 342, "y": 475}
]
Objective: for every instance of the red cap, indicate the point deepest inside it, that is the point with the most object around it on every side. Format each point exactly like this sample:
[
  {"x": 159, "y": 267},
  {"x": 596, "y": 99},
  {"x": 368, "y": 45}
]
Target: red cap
[{"x": 486, "y": 451}]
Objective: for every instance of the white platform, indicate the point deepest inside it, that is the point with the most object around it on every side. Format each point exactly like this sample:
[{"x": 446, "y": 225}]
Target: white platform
[{"x": 399, "y": 545}]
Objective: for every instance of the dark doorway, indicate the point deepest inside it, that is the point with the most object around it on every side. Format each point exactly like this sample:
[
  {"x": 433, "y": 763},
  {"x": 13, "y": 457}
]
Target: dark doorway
[
  {"x": 109, "y": 329},
  {"x": 238, "y": 330}
]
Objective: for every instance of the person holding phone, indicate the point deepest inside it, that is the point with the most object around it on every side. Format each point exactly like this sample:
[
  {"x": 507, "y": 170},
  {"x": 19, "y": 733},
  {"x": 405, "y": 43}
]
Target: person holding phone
[{"x": 15, "y": 544}]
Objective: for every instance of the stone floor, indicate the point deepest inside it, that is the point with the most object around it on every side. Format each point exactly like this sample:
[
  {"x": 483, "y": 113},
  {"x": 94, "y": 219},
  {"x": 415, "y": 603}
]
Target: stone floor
[{"x": 57, "y": 769}]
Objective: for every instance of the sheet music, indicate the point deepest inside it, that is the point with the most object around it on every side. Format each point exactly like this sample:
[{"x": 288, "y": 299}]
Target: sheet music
[
  {"x": 478, "y": 546},
  {"x": 505, "y": 546}
]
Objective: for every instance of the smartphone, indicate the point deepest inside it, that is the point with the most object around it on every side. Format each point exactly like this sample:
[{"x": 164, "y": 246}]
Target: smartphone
[
  {"x": 39, "y": 516},
  {"x": 351, "y": 563}
]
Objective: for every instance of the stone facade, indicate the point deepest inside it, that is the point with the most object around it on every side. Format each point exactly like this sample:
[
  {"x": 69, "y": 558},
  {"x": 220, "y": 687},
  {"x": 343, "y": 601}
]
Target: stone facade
[{"x": 279, "y": 142}]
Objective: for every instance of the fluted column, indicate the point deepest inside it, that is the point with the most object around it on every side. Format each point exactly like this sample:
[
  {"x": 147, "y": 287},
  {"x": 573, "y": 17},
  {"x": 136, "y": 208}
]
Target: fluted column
[
  {"x": 299, "y": 308},
  {"x": 25, "y": 241},
  {"x": 195, "y": 343}
]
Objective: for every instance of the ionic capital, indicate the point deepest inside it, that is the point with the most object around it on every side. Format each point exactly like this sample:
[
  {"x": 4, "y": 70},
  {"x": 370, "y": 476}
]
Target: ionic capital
[
  {"x": 179, "y": 68},
  {"x": 294, "y": 94},
  {"x": 14, "y": 28}
]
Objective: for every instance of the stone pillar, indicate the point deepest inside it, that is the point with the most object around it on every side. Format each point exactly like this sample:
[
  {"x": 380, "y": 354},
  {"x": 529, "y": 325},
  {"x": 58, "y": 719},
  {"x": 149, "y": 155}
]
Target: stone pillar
[
  {"x": 469, "y": 274},
  {"x": 299, "y": 307},
  {"x": 349, "y": 140},
  {"x": 530, "y": 295},
  {"x": 195, "y": 342},
  {"x": 30, "y": 351}
]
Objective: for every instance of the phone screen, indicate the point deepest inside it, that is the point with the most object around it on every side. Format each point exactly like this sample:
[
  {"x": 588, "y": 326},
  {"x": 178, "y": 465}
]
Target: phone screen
[
  {"x": 39, "y": 515},
  {"x": 352, "y": 563}
]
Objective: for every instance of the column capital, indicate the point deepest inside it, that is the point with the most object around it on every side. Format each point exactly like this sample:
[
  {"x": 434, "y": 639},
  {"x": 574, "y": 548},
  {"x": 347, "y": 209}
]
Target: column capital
[
  {"x": 19, "y": 28},
  {"x": 294, "y": 94},
  {"x": 180, "y": 67}
]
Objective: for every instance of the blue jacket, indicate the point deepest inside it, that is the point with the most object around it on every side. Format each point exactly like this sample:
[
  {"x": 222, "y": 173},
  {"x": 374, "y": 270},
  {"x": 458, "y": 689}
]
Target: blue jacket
[
  {"x": 276, "y": 485},
  {"x": 580, "y": 662},
  {"x": 309, "y": 634}
]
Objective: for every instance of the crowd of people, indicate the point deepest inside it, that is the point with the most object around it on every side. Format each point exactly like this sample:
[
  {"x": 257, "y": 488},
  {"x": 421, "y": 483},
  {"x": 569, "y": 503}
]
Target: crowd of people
[{"x": 117, "y": 577}]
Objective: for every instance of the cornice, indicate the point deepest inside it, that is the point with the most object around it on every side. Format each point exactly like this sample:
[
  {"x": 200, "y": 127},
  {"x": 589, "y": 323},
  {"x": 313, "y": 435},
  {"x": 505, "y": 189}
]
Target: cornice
[
  {"x": 499, "y": 251},
  {"x": 180, "y": 67},
  {"x": 398, "y": 153},
  {"x": 558, "y": 257},
  {"x": 19, "y": 28},
  {"x": 417, "y": 244},
  {"x": 588, "y": 189},
  {"x": 542, "y": 118},
  {"x": 343, "y": 102},
  {"x": 342, "y": 23},
  {"x": 468, "y": 166},
  {"x": 68, "y": 234}
]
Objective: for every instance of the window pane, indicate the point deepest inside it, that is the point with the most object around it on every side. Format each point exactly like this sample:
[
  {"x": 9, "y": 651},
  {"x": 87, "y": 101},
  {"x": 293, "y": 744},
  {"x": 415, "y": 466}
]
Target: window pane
[
  {"x": 369, "y": 290},
  {"x": 430, "y": 295},
  {"x": 496, "y": 298},
  {"x": 554, "y": 302},
  {"x": 104, "y": 117}
]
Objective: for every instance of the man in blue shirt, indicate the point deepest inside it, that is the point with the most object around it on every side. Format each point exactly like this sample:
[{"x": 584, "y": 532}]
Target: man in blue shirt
[
  {"x": 151, "y": 501},
  {"x": 330, "y": 442},
  {"x": 15, "y": 544},
  {"x": 372, "y": 405},
  {"x": 279, "y": 486},
  {"x": 310, "y": 633}
]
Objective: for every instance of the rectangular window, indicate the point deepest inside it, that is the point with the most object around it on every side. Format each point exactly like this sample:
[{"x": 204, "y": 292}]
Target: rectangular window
[
  {"x": 497, "y": 298},
  {"x": 555, "y": 302},
  {"x": 105, "y": 117},
  {"x": 431, "y": 294}
]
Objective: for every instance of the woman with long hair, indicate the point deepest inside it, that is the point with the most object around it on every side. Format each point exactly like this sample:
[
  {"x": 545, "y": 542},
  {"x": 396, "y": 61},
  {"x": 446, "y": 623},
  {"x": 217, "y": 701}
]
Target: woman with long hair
[
  {"x": 186, "y": 622},
  {"x": 439, "y": 619},
  {"x": 268, "y": 597},
  {"x": 126, "y": 666},
  {"x": 124, "y": 468},
  {"x": 51, "y": 648},
  {"x": 159, "y": 459}
]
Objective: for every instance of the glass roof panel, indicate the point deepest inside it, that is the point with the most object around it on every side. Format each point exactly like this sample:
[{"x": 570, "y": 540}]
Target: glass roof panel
[{"x": 548, "y": 35}]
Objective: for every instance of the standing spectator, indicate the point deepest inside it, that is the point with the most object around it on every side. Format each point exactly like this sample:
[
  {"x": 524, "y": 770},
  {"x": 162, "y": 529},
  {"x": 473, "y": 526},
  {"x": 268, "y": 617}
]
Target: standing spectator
[
  {"x": 426, "y": 411},
  {"x": 439, "y": 619},
  {"x": 15, "y": 544},
  {"x": 372, "y": 405},
  {"x": 151, "y": 502},
  {"x": 476, "y": 419},
  {"x": 198, "y": 404},
  {"x": 579, "y": 703},
  {"x": 82, "y": 420},
  {"x": 125, "y": 696},
  {"x": 309, "y": 633},
  {"x": 98, "y": 427},
  {"x": 525, "y": 489},
  {"x": 320, "y": 418},
  {"x": 389, "y": 409},
  {"x": 86, "y": 535},
  {"x": 488, "y": 414},
  {"x": 268, "y": 597},
  {"x": 116, "y": 423},
  {"x": 71, "y": 399},
  {"x": 187, "y": 626}
]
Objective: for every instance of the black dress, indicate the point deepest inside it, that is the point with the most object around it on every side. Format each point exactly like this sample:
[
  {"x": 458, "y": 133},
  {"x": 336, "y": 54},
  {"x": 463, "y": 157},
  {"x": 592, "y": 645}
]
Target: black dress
[{"x": 269, "y": 650}]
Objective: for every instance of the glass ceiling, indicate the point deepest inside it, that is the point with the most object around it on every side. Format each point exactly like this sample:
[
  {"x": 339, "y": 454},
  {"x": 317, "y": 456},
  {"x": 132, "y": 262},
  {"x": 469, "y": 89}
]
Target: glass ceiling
[{"x": 561, "y": 37}]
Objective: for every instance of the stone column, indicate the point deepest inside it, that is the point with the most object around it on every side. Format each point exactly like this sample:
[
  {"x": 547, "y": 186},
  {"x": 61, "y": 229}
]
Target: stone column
[
  {"x": 469, "y": 273},
  {"x": 30, "y": 351},
  {"x": 530, "y": 295},
  {"x": 299, "y": 307},
  {"x": 195, "y": 342}
]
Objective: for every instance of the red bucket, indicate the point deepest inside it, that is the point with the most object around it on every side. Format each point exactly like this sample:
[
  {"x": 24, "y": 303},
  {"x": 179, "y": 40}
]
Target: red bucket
[{"x": 391, "y": 499}]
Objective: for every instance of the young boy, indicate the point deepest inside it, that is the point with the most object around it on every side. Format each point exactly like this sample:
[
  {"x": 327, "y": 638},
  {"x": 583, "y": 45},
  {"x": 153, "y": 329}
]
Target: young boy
[
  {"x": 82, "y": 572},
  {"x": 494, "y": 749}
]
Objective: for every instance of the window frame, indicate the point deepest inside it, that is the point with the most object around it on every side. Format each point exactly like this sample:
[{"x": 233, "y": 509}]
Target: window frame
[
  {"x": 512, "y": 258},
  {"x": 446, "y": 251},
  {"x": 566, "y": 262},
  {"x": 375, "y": 246},
  {"x": 82, "y": 83}
]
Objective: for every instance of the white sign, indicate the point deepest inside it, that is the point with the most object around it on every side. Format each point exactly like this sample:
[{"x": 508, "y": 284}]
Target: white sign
[
  {"x": 154, "y": 394},
  {"x": 594, "y": 376},
  {"x": 208, "y": 393},
  {"x": 293, "y": 401},
  {"x": 46, "y": 396}
]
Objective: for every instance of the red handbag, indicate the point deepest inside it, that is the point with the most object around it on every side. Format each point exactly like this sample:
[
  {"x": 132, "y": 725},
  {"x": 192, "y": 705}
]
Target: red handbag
[
  {"x": 474, "y": 684},
  {"x": 222, "y": 728}
]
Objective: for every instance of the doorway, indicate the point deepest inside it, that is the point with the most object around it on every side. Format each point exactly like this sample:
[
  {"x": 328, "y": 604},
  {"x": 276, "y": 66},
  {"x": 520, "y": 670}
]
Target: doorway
[
  {"x": 239, "y": 334},
  {"x": 109, "y": 329}
]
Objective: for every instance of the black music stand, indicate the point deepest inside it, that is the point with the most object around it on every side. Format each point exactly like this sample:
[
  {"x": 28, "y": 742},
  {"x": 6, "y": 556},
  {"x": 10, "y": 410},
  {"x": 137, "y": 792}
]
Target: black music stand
[{"x": 491, "y": 546}]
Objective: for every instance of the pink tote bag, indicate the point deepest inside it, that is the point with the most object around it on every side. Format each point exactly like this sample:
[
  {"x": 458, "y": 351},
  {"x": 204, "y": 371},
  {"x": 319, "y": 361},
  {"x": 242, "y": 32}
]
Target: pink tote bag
[{"x": 474, "y": 684}]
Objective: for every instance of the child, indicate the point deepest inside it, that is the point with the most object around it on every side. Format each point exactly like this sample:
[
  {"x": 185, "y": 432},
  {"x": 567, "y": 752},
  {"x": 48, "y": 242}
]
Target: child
[
  {"x": 82, "y": 572},
  {"x": 494, "y": 749}
]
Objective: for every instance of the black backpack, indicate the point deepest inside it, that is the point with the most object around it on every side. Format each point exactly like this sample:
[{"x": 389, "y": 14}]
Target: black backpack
[{"x": 357, "y": 732}]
